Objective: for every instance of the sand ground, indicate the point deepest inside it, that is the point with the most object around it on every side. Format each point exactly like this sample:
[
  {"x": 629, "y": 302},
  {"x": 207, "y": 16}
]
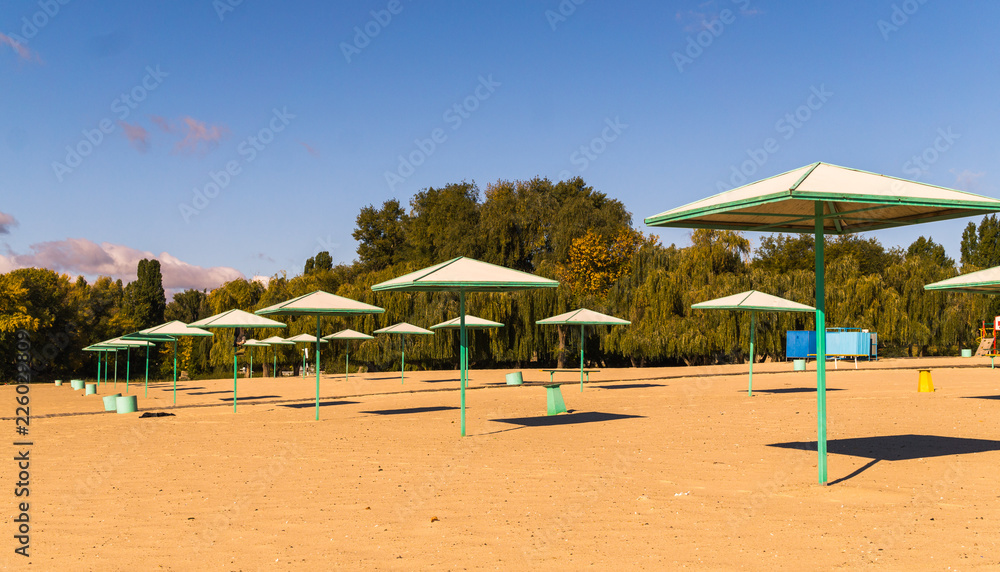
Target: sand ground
[{"x": 651, "y": 469}]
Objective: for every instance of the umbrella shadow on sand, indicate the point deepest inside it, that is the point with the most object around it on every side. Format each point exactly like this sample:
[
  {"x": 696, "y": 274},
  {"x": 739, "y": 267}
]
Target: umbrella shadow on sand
[
  {"x": 983, "y": 397},
  {"x": 896, "y": 448},
  {"x": 311, "y": 404},
  {"x": 792, "y": 390},
  {"x": 630, "y": 386},
  {"x": 410, "y": 410},
  {"x": 570, "y": 418}
]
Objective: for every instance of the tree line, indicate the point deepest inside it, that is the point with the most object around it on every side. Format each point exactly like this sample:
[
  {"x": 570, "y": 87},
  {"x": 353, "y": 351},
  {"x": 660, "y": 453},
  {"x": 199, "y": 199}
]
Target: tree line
[{"x": 565, "y": 231}]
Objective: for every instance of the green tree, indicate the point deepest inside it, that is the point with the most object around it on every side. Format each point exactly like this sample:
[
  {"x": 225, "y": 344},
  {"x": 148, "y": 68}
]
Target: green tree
[
  {"x": 322, "y": 262},
  {"x": 443, "y": 224},
  {"x": 380, "y": 234},
  {"x": 981, "y": 246},
  {"x": 144, "y": 299}
]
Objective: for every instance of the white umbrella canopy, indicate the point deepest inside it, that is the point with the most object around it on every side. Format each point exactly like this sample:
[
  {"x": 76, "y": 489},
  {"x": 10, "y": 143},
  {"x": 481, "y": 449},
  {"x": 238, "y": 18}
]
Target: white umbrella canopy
[
  {"x": 583, "y": 317},
  {"x": 319, "y": 303},
  {"x": 306, "y": 339},
  {"x": 982, "y": 281},
  {"x": 464, "y": 275},
  {"x": 825, "y": 199},
  {"x": 753, "y": 301},
  {"x": 403, "y": 329},
  {"x": 252, "y": 343},
  {"x": 347, "y": 335},
  {"x": 236, "y": 319}
]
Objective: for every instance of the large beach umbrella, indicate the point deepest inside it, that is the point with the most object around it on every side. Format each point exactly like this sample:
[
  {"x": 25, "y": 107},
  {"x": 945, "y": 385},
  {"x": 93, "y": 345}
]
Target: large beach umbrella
[
  {"x": 403, "y": 329},
  {"x": 825, "y": 199},
  {"x": 101, "y": 349},
  {"x": 471, "y": 323},
  {"x": 583, "y": 318},
  {"x": 980, "y": 282},
  {"x": 464, "y": 275},
  {"x": 753, "y": 301},
  {"x": 276, "y": 341},
  {"x": 252, "y": 343},
  {"x": 166, "y": 332},
  {"x": 348, "y": 335},
  {"x": 306, "y": 339},
  {"x": 319, "y": 304},
  {"x": 232, "y": 319}
]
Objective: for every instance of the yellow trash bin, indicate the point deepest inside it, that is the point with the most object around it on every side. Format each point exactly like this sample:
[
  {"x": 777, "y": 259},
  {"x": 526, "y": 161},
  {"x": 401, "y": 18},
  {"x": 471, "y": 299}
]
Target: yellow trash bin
[{"x": 925, "y": 385}]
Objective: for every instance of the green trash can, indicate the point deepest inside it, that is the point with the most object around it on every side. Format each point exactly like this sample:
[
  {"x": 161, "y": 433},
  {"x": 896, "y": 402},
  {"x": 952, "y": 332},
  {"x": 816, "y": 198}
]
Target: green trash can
[
  {"x": 76, "y": 384},
  {"x": 515, "y": 378},
  {"x": 91, "y": 389},
  {"x": 799, "y": 365},
  {"x": 126, "y": 404},
  {"x": 110, "y": 402},
  {"x": 58, "y": 382},
  {"x": 967, "y": 353}
]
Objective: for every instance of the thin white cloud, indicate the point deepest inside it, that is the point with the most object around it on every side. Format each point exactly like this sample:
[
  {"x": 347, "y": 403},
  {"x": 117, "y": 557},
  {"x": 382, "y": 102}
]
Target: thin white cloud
[
  {"x": 75, "y": 256},
  {"x": 7, "y": 222}
]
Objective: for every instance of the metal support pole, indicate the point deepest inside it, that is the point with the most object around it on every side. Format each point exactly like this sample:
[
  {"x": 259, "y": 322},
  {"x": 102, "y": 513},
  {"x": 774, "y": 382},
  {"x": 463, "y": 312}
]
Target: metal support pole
[
  {"x": 234, "y": 380},
  {"x": 753, "y": 329},
  {"x": 175, "y": 371},
  {"x": 128, "y": 366},
  {"x": 147, "y": 372},
  {"x": 347, "y": 361},
  {"x": 99, "y": 354},
  {"x": 820, "y": 346},
  {"x": 116, "y": 369},
  {"x": 317, "y": 367},
  {"x": 462, "y": 350},
  {"x": 402, "y": 361},
  {"x": 583, "y": 337}
]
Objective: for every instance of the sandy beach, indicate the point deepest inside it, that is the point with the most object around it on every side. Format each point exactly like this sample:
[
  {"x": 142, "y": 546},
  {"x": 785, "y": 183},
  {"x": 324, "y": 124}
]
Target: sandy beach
[{"x": 657, "y": 468}]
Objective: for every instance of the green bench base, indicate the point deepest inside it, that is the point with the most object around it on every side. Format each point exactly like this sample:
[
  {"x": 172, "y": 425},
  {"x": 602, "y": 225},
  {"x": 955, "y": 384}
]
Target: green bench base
[{"x": 554, "y": 399}]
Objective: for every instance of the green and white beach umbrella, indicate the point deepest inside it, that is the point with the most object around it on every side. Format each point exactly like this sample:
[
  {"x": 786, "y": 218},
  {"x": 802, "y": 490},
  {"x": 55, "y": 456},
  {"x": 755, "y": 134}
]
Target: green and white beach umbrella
[
  {"x": 276, "y": 341},
  {"x": 464, "y": 275},
  {"x": 982, "y": 281},
  {"x": 583, "y": 318},
  {"x": 347, "y": 335},
  {"x": 471, "y": 323},
  {"x": 319, "y": 304},
  {"x": 252, "y": 343},
  {"x": 166, "y": 332},
  {"x": 753, "y": 301},
  {"x": 825, "y": 199},
  {"x": 403, "y": 329},
  {"x": 232, "y": 319},
  {"x": 127, "y": 345}
]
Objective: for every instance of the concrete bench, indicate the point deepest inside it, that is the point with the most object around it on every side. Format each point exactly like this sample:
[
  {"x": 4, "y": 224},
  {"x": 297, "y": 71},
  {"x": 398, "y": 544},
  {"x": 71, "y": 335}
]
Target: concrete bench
[{"x": 586, "y": 372}]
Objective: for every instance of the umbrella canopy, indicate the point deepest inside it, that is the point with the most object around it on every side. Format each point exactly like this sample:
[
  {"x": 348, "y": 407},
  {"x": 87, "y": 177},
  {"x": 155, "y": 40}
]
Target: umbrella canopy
[
  {"x": 306, "y": 339},
  {"x": 319, "y": 304},
  {"x": 464, "y": 275},
  {"x": 753, "y": 301},
  {"x": 236, "y": 319},
  {"x": 403, "y": 329},
  {"x": 252, "y": 343},
  {"x": 471, "y": 322},
  {"x": 347, "y": 336},
  {"x": 583, "y": 318},
  {"x": 166, "y": 332},
  {"x": 984, "y": 281},
  {"x": 821, "y": 199}
]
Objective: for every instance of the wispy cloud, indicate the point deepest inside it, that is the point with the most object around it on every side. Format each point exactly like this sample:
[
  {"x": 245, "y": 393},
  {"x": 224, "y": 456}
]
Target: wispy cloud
[
  {"x": 136, "y": 135},
  {"x": 7, "y": 221},
  {"x": 162, "y": 123},
  {"x": 967, "y": 180},
  {"x": 198, "y": 135},
  {"x": 310, "y": 149},
  {"x": 82, "y": 256},
  {"x": 20, "y": 49}
]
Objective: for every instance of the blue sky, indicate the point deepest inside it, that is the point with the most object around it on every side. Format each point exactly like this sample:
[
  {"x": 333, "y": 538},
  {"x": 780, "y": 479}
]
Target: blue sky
[{"x": 300, "y": 121}]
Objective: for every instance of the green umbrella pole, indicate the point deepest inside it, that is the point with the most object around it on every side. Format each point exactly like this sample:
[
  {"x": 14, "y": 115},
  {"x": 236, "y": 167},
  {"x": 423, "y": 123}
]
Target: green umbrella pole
[
  {"x": 107, "y": 366},
  {"x": 317, "y": 367},
  {"x": 462, "y": 350},
  {"x": 820, "y": 347},
  {"x": 274, "y": 368},
  {"x": 99, "y": 366},
  {"x": 128, "y": 366},
  {"x": 303, "y": 362},
  {"x": 347, "y": 361},
  {"x": 116, "y": 369},
  {"x": 147, "y": 372},
  {"x": 582, "y": 338},
  {"x": 234, "y": 380},
  {"x": 753, "y": 323},
  {"x": 402, "y": 360},
  {"x": 175, "y": 371}
]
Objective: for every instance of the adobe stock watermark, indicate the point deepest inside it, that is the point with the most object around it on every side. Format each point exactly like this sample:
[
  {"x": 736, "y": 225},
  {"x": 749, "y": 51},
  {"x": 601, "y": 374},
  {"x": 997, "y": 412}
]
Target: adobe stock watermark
[
  {"x": 586, "y": 154},
  {"x": 786, "y": 127},
  {"x": 248, "y": 149},
  {"x": 32, "y": 25},
  {"x": 122, "y": 106},
  {"x": 919, "y": 165},
  {"x": 899, "y": 17},
  {"x": 455, "y": 116},
  {"x": 363, "y": 35},
  {"x": 697, "y": 43},
  {"x": 224, "y": 7},
  {"x": 563, "y": 11}
]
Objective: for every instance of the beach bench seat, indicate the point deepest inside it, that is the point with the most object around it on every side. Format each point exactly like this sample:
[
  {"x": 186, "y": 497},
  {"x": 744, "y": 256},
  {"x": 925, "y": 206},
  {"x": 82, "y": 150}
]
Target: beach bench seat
[
  {"x": 586, "y": 372},
  {"x": 836, "y": 357}
]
